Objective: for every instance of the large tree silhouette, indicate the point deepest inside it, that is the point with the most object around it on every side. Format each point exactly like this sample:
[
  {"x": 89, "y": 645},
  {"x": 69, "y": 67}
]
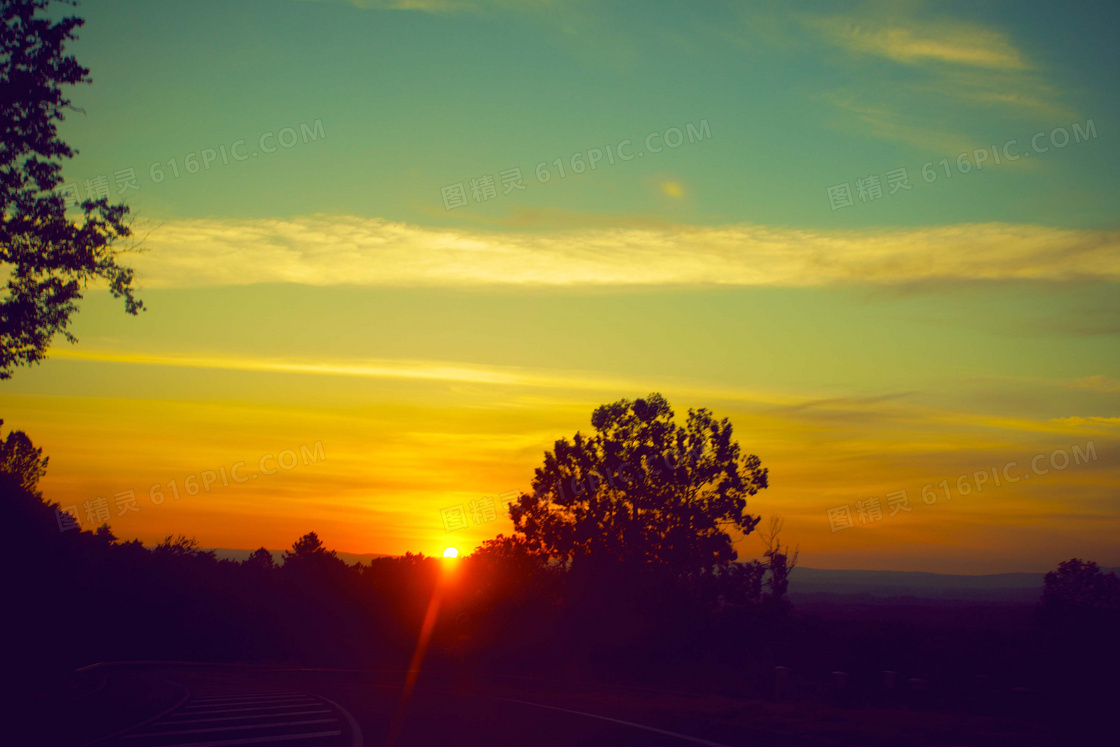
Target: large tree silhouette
[
  {"x": 50, "y": 257},
  {"x": 642, "y": 489}
]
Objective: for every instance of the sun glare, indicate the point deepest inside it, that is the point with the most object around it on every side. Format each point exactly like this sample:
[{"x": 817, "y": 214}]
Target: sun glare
[{"x": 451, "y": 552}]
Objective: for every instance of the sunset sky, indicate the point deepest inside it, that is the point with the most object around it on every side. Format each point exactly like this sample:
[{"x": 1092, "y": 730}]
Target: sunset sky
[{"x": 320, "y": 282}]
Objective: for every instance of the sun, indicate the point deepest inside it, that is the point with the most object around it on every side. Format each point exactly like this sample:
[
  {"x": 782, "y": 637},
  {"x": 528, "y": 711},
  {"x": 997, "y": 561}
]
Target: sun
[{"x": 451, "y": 552}]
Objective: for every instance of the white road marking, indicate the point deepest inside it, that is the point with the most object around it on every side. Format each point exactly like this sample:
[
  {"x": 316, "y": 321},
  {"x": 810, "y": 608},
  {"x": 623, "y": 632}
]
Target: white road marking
[
  {"x": 257, "y": 708},
  {"x": 239, "y": 718},
  {"x": 234, "y": 728},
  {"x": 276, "y": 711},
  {"x": 234, "y": 698},
  {"x": 186, "y": 695},
  {"x": 259, "y": 740},
  {"x": 215, "y": 694},
  {"x": 355, "y": 730},
  {"x": 288, "y": 699}
]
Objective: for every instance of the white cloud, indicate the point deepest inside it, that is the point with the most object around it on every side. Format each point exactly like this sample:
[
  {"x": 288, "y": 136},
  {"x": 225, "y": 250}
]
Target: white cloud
[
  {"x": 932, "y": 57},
  {"x": 915, "y": 42},
  {"x": 324, "y": 250}
]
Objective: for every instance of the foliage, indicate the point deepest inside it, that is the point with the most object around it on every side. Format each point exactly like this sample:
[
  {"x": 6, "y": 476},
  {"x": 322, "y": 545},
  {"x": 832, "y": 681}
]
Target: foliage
[
  {"x": 642, "y": 490},
  {"x": 20, "y": 459},
  {"x": 780, "y": 562},
  {"x": 260, "y": 559},
  {"x": 49, "y": 258},
  {"x": 1079, "y": 585}
]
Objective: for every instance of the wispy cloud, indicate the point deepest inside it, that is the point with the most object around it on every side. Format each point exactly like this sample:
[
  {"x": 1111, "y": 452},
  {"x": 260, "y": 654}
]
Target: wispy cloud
[
  {"x": 1019, "y": 91},
  {"x": 544, "y": 386},
  {"x": 324, "y": 250},
  {"x": 920, "y": 42},
  {"x": 1093, "y": 421},
  {"x": 882, "y": 120},
  {"x": 1098, "y": 383},
  {"x": 925, "y": 56},
  {"x": 389, "y": 369},
  {"x": 853, "y": 425}
]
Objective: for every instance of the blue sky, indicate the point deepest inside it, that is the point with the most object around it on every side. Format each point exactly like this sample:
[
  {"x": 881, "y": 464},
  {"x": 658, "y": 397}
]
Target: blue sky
[{"x": 411, "y": 101}]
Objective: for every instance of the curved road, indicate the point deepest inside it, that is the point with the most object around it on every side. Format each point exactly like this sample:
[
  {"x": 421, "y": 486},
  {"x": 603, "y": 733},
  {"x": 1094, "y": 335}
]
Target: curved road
[{"x": 218, "y": 706}]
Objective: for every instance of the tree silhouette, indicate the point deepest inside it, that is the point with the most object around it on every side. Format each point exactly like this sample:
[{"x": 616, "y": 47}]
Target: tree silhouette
[
  {"x": 1078, "y": 588},
  {"x": 507, "y": 566},
  {"x": 20, "y": 459},
  {"x": 309, "y": 545},
  {"x": 1078, "y": 616},
  {"x": 308, "y": 554},
  {"x": 642, "y": 490},
  {"x": 780, "y": 562},
  {"x": 260, "y": 559},
  {"x": 52, "y": 257},
  {"x": 180, "y": 546},
  {"x": 510, "y": 551}
]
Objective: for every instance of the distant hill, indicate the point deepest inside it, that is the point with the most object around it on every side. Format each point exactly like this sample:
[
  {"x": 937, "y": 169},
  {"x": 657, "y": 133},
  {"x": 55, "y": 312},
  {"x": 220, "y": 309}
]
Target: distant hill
[
  {"x": 999, "y": 587},
  {"x": 863, "y": 587}
]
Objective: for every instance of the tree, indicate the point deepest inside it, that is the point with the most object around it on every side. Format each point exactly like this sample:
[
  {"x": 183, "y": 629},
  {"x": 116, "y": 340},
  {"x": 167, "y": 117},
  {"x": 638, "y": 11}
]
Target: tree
[
  {"x": 508, "y": 551},
  {"x": 780, "y": 562},
  {"x": 1077, "y": 617},
  {"x": 49, "y": 258},
  {"x": 1078, "y": 587},
  {"x": 642, "y": 490},
  {"x": 309, "y": 545},
  {"x": 507, "y": 566},
  {"x": 20, "y": 459},
  {"x": 308, "y": 552},
  {"x": 182, "y": 546},
  {"x": 260, "y": 559}
]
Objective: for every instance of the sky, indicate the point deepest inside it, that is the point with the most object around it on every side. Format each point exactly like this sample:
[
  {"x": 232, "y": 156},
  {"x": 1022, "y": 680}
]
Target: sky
[{"x": 392, "y": 250}]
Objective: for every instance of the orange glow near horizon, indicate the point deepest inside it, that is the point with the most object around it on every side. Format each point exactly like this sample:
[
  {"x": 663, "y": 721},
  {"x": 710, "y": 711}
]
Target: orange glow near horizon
[{"x": 376, "y": 487}]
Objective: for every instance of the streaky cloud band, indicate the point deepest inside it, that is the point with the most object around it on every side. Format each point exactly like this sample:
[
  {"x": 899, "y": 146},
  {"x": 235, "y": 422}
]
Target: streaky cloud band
[{"x": 326, "y": 250}]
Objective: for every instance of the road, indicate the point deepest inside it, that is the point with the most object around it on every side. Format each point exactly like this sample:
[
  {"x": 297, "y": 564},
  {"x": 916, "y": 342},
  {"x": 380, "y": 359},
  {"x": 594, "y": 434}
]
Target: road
[{"x": 164, "y": 705}]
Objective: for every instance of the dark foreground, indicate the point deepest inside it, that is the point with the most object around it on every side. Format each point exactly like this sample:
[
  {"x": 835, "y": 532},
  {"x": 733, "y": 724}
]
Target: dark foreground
[
  {"x": 144, "y": 705},
  {"x": 202, "y": 706}
]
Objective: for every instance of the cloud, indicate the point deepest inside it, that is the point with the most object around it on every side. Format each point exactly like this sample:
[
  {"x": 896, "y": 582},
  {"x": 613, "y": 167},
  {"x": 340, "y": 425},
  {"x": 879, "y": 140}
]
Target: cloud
[
  {"x": 1097, "y": 421},
  {"x": 324, "y": 250},
  {"x": 882, "y": 121},
  {"x": 925, "y": 57},
  {"x": 1098, "y": 383},
  {"x": 1023, "y": 92},
  {"x": 386, "y": 369},
  {"x": 672, "y": 189},
  {"x": 914, "y": 42}
]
